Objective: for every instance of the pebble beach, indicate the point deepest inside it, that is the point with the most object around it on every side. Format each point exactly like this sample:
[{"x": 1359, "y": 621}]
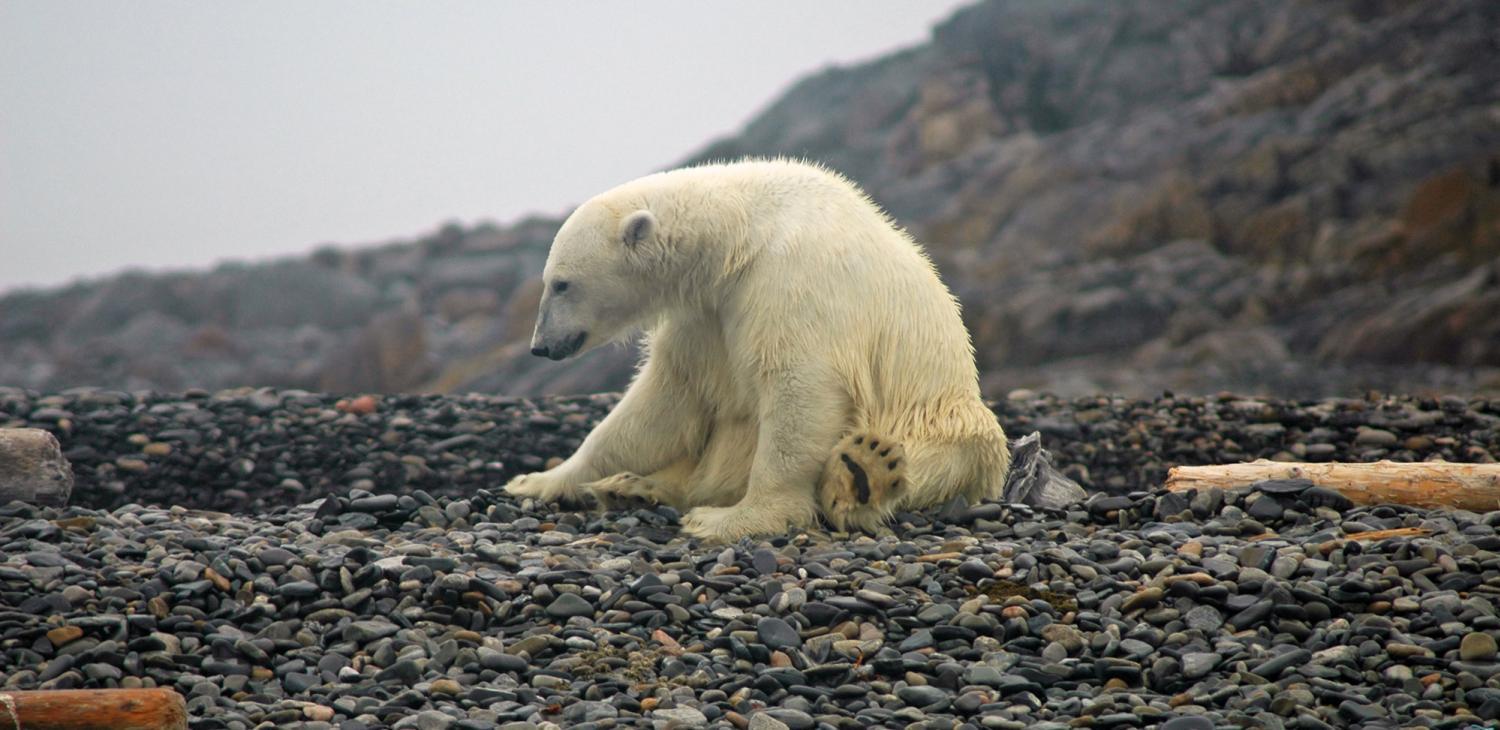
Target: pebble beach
[{"x": 284, "y": 558}]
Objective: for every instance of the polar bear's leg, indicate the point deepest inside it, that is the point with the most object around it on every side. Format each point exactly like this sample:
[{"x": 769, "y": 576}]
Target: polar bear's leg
[
  {"x": 724, "y": 473},
  {"x": 718, "y": 479},
  {"x": 930, "y": 472},
  {"x": 665, "y": 486},
  {"x": 801, "y": 415},
  {"x": 655, "y": 424},
  {"x": 863, "y": 480}
]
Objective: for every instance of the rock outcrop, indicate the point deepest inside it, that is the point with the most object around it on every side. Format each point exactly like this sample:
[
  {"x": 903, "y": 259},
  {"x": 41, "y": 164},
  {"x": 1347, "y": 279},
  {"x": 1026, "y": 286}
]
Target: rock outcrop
[{"x": 1285, "y": 197}]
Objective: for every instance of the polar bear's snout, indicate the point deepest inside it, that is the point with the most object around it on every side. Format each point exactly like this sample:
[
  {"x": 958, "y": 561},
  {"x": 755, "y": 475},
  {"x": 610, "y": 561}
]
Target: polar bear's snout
[
  {"x": 558, "y": 332},
  {"x": 560, "y": 349}
]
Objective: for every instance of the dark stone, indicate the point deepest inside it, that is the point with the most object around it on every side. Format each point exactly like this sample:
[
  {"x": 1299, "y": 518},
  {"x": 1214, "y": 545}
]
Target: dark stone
[
  {"x": 776, "y": 633},
  {"x": 1282, "y": 486},
  {"x": 568, "y": 605},
  {"x": 404, "y": 671},
  {"x": 1265, "y": 509}
]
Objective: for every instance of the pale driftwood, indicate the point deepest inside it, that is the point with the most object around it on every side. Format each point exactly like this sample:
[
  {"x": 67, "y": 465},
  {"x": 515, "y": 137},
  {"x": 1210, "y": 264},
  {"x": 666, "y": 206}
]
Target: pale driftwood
[
  {"x": 93, "y": 709},
  {"x": 938, "y": 557},
  {"x": 1431, "y": 484},
  {"x": 1034, "y": 481},
  {"x": 32, "y": 468},
  {"x": 1374, "y": 535}
]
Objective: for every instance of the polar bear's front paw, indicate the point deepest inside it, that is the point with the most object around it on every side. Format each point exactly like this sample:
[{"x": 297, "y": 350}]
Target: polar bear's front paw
[
  {"x": 621, "y": 489},
  {"x": 727, "y": 524},
  {"x": 541, "y": 486},
  {"x": 862, "y": 481}
]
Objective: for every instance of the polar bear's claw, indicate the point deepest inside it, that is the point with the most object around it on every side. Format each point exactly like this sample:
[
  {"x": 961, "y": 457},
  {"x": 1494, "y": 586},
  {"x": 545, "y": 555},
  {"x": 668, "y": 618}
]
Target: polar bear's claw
[
  {"x": 862, "y": 480},
  {"x": 540, "y": 486},
  {"x": 619, "y": 489}
]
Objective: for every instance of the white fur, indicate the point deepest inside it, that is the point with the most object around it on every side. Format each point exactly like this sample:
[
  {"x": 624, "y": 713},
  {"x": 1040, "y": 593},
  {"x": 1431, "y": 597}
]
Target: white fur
[{"x": 785, "y": 316}]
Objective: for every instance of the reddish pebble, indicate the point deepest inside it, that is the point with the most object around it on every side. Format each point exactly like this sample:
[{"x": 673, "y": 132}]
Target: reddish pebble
[
  {"x": 363, "y": 405},
  {"x": 669, "y": 645}
]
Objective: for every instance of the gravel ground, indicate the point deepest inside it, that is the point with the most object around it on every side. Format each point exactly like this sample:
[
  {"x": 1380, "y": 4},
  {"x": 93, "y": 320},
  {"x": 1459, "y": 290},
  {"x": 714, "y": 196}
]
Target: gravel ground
[
  {"x": 249, "y": 451},
  {"x": 418, "y": 596}
]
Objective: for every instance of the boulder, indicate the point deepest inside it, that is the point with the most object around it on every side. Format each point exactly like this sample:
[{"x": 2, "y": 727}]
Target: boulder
[{"x": 33, "y": 469}]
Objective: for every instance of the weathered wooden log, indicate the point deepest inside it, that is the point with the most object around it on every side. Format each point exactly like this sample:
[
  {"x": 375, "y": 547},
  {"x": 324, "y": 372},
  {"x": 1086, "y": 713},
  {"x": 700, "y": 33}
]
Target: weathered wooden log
[
  {"x": 1431, "y": 484},
  {"x": 1377, "y": 535},
  {"x": 1034, "y": 480},
  {"x": 93, "y": 709},
  {"x": 32, "y": 468}
]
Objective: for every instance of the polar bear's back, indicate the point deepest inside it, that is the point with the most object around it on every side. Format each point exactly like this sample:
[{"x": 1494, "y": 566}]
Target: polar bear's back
[{"x": 829, "y": 269}]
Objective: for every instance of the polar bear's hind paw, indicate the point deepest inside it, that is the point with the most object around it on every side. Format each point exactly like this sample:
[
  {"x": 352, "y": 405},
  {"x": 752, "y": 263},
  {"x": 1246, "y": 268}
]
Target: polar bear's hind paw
[
  {"x": 861, "y": 481},
  {"x": 623, "y": 490}
]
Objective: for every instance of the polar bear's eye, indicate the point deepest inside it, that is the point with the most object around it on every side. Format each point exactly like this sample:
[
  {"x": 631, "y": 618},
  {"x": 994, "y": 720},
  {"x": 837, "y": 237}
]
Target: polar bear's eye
[{"x": 559, "y": 287}]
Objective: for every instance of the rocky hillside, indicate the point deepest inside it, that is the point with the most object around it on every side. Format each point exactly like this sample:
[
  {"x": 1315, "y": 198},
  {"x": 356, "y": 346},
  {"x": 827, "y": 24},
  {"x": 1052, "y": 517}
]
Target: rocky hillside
[{"x": 1295, "y": 198}]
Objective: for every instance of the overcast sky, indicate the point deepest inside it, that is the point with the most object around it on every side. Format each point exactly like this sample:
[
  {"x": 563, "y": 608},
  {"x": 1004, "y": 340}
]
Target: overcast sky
[{"x": 174, "y": 134}]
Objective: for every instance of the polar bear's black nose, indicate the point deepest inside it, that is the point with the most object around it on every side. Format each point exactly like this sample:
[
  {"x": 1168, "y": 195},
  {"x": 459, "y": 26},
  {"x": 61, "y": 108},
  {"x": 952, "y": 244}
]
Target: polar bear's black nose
[{"x": 560, "y": 350}]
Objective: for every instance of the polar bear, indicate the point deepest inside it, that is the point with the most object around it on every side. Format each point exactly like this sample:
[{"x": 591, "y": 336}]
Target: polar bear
[{"x": 801, "y": 353}]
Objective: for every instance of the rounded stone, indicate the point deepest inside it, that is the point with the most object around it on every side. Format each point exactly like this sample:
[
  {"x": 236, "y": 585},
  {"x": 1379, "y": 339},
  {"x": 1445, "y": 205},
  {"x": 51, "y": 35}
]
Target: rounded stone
[
  {"x": 568, "y": 605},
  {"x": 1188, "y": 722},
  {"x": 776, "y": 633},
  {"x": 1477, "y": 646}
]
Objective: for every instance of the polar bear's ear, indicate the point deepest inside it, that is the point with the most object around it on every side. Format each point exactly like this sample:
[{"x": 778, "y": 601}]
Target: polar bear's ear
[{"x": 637, "y": 227}]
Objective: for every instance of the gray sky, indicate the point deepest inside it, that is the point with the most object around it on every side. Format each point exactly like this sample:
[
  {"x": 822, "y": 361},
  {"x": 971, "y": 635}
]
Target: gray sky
[{"x": 173, "y": 134}]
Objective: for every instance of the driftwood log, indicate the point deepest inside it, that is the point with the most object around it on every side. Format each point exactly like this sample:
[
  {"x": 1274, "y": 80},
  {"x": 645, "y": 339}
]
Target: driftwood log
[
  {"x": 93, "y": 709},
  {"x": 1033, "y": 480},
  {"x": 32, "y": 468},
  {"x": 1430, "y": 484}
]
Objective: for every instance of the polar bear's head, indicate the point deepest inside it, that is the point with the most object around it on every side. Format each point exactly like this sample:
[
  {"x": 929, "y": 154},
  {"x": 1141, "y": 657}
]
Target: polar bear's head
[{"x": 596, "y": 284}]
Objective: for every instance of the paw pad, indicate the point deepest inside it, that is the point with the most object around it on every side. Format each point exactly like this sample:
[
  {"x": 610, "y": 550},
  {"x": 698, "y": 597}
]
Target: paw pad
[
  {"x": 859, "y": 485},
  {"x": 861, "y": 479}
]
